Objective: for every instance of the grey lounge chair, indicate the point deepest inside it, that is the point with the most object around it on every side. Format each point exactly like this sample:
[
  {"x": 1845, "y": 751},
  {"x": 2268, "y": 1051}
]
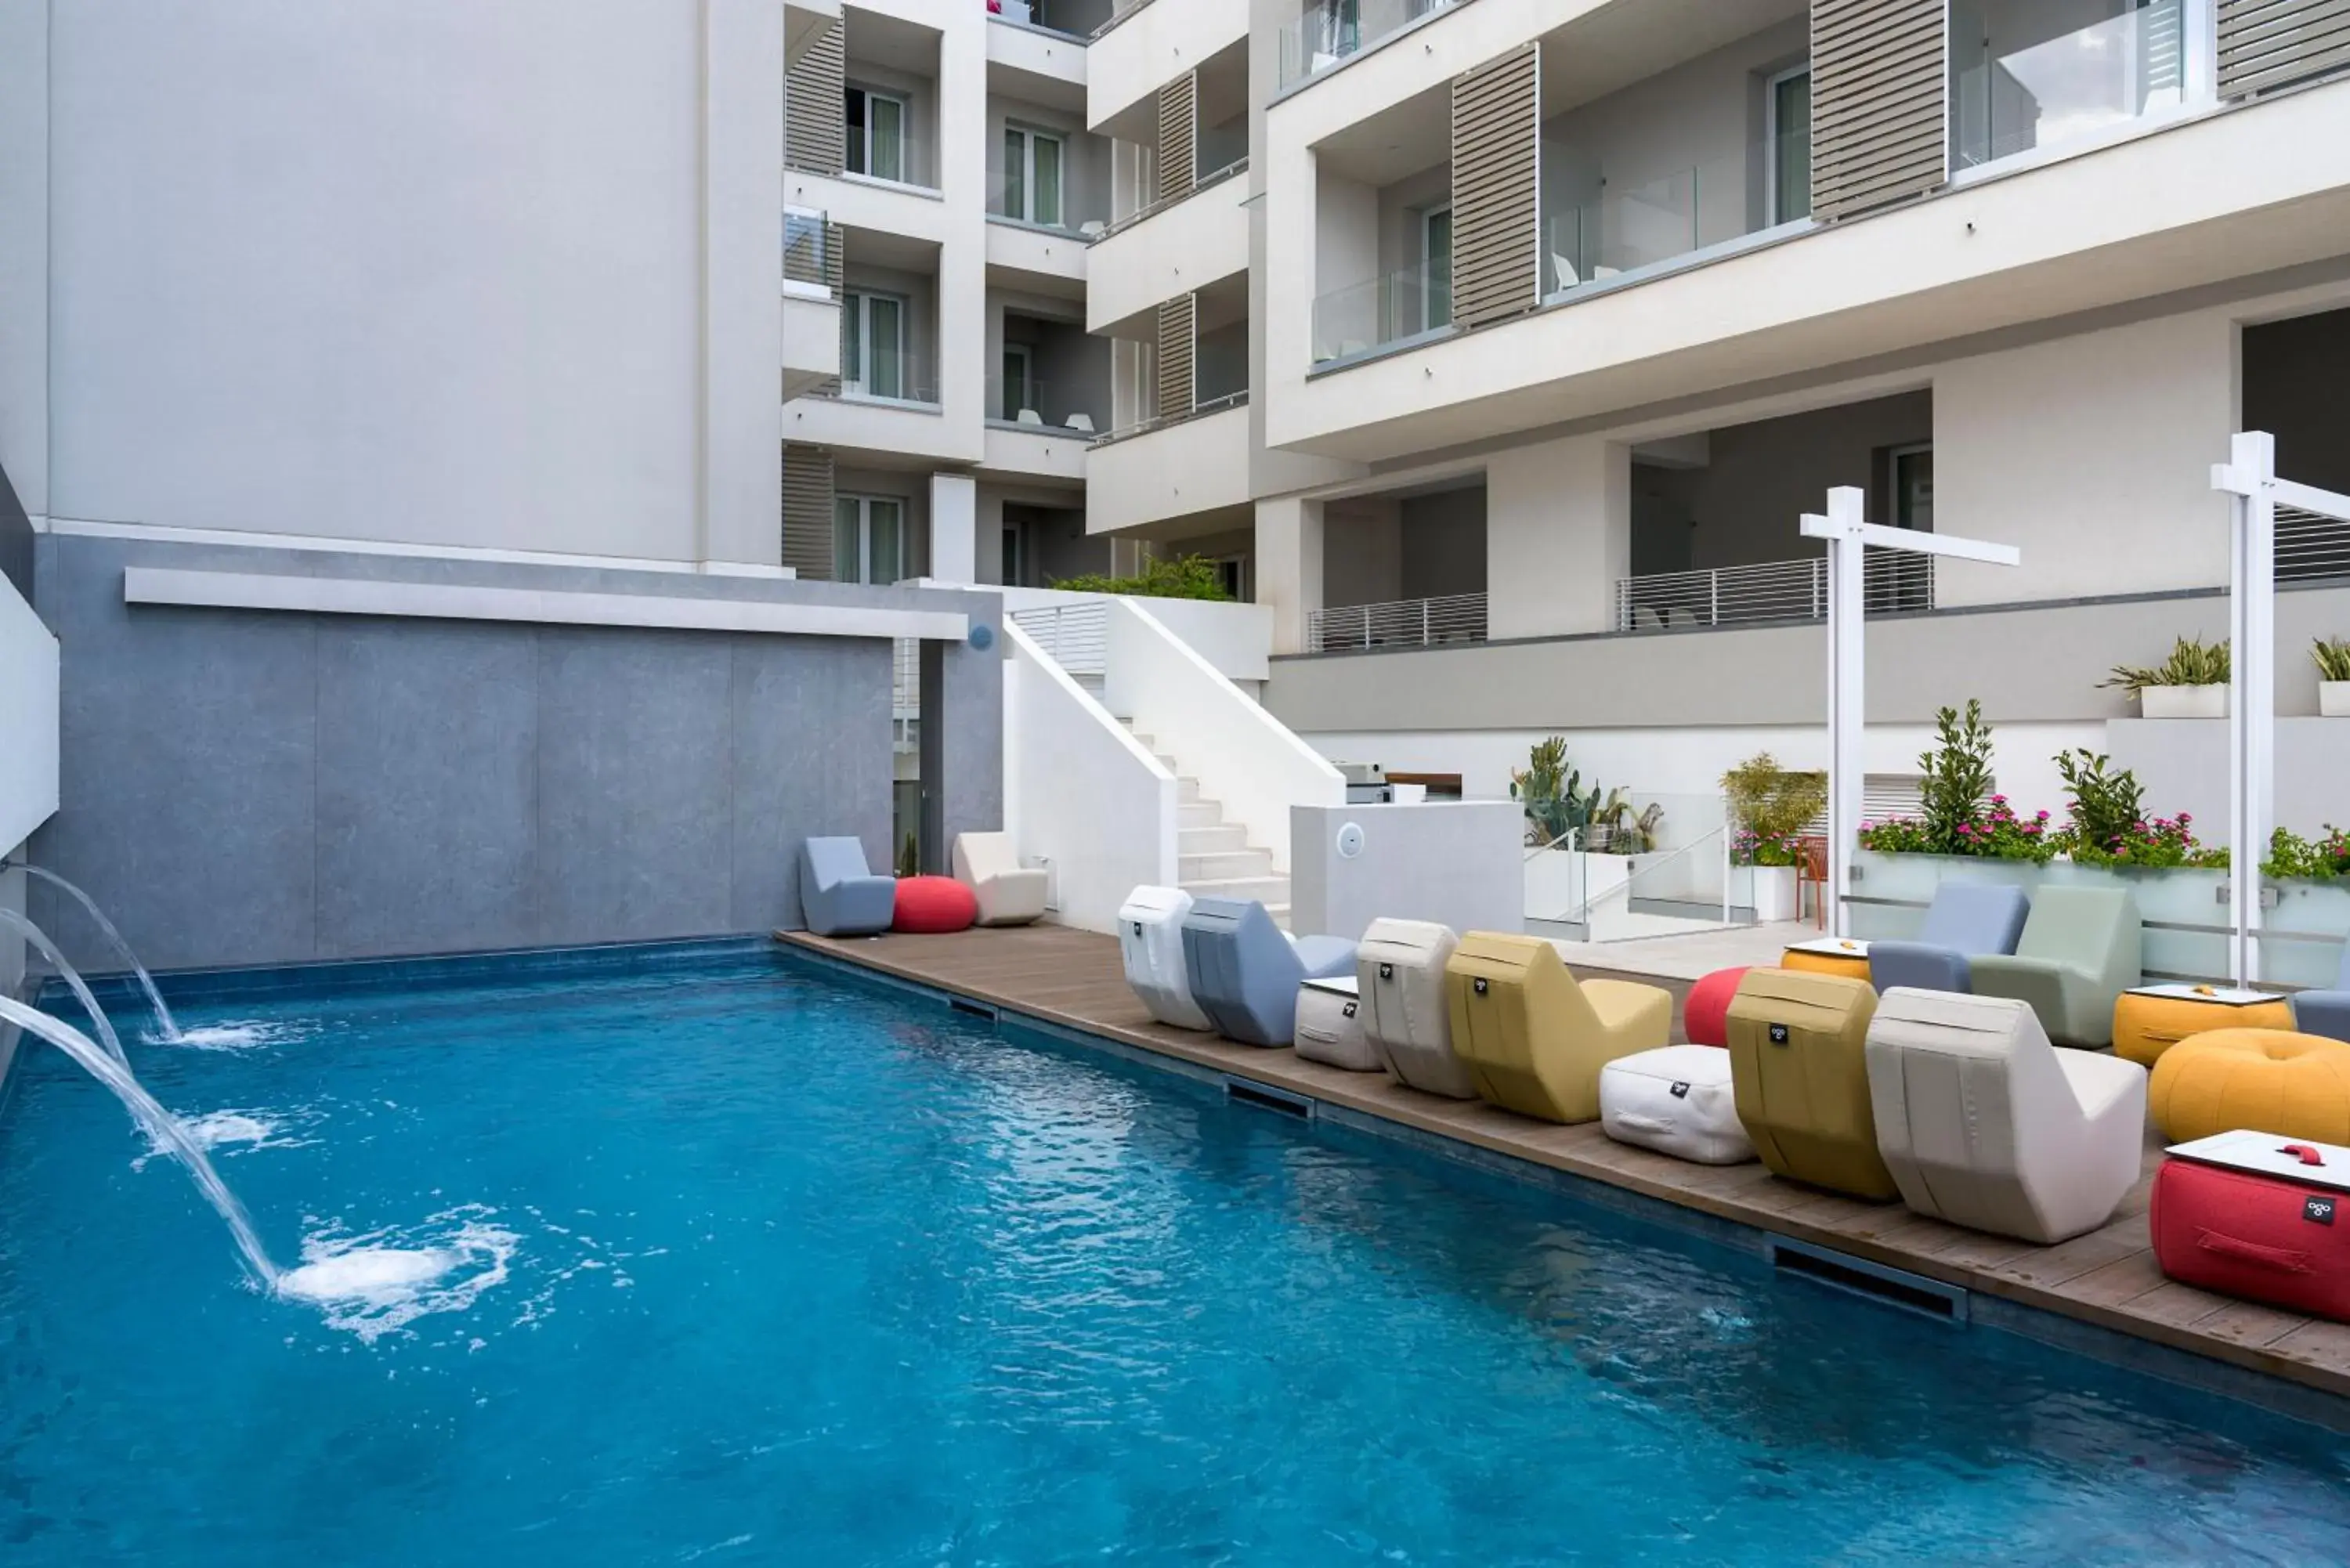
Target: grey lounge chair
[
  {"x": 2327, "y": 1013},
  {"x": 839, "y": 896},
  {"x": 1245, "y": 972},
  {"x": 1964, "y": 920},
  {"x": 2080, "y": 950}
]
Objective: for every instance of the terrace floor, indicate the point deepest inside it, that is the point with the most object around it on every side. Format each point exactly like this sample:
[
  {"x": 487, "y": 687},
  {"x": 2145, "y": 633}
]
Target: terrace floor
[{"x": 2107, "y": 1279}]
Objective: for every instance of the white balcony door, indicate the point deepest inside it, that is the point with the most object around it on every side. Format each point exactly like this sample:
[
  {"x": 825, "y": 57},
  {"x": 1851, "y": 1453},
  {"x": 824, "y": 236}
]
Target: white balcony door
[
  {"x": 1032, "y": 162},
  {"x": 869, "y": 535},
  {"x": 876, "y": 134},
  {"x": 873, "y": 345}
]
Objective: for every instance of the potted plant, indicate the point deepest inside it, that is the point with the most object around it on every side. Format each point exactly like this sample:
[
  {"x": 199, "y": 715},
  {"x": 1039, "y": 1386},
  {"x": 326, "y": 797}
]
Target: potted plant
[
  {"x": 2333, "y": 657},
  {"x": 2192, "y": 683},
  {"x": 1769, "y": 806},
  {"x": 1552, "y": 794}
]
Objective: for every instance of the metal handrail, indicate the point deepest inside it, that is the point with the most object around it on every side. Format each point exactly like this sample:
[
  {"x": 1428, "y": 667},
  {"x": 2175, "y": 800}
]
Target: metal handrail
[
  {"x": 1399, "y": 623},
  {"x": 1896, "y": 581},
  {"x": 1237, "y": 166},
  {"x": 1158, "y": 422}
]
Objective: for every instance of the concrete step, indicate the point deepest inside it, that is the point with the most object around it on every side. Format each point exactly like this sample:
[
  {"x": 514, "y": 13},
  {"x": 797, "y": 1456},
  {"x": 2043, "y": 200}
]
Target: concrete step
[
  {"x": 1167, "y": 762},
  {"x": 1187, "y": 793},
  {"x": 1197, "y": 814},
  {"x": 1214, "y": 838},
  {"x": 1266, "y": 890},
  {"x": 1225, "y": 865}
]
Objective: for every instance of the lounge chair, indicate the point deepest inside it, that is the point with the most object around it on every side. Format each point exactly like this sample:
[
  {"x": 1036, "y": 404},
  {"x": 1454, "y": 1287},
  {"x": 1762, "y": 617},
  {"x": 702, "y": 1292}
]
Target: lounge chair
[
  {"x": 1407, "y": 1018},
  {"x": 839, "y": 895},
  {"x": 2327, "y": 1013},
  {"x": 1010, "y": 894},
  {"x": 1984, "y": 1124},
  {"x": 1535, "y": 1039},
  {"x": 1150, "y": 940},
  {"x": 2078, "y": 952},
  {"x": 1245, "y": 971},
  {"x": 1965, "y": 919},
  {"x": 1798, "y": 1063}
]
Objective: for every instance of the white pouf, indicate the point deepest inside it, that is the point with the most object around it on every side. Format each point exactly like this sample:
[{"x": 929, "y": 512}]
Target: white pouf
[
  {"x": 1677, "y": 1101},
  {"x": 1330, "y": 1028}
]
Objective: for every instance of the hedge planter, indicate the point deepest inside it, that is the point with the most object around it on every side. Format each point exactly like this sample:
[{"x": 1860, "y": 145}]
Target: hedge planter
[
  {"x": 1776, "y": 895},
  {"x": 2184, "y": 702}
]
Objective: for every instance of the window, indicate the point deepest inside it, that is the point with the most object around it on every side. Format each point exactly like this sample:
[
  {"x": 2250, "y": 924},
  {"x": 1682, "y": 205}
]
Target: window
[
  {"x": 1789, "y": 138},
  {"x": 1912, "y": 471},
  {"x": 1032, "y": 176},
  {"x": 873, "y": 346},
  {"x": 1233, "y": 571},
  {"x": 1013, "y": 577},
  {"x": 1019, "y": 385},
  {"x": 868, "y": 539},
  {"x": 876, "y": 134},
  {"x": 1436, "y": 268}
]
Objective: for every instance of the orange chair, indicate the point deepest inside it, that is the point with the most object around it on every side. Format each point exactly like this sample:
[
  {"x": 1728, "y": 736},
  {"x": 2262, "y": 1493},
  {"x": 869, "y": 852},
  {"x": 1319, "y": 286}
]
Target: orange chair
[{"x": 1811, "y": 870}]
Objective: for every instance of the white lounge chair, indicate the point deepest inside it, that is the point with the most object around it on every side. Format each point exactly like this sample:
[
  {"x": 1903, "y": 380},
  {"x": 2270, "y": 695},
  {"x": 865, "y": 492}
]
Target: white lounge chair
[
  {"x": 1083, "y": 423},
  {"x": 1009, "y": 893}
]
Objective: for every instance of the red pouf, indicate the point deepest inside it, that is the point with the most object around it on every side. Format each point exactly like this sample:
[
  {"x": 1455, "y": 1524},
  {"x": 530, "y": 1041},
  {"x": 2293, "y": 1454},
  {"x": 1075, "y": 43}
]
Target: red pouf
[
  {"x": 932, "y": 904},
  {"x": 1705, "y": 1016},
  {"x": 2258, "y": 1216}
]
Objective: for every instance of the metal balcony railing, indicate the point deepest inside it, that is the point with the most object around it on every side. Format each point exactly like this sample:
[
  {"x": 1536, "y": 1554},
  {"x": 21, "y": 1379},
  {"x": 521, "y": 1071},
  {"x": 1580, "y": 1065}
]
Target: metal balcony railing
[
  {"x": 1074, "y": 636},
  {"x": 2311, "y": 548},
  {"x": 1403, "y": 623},
  {"x": 1766, "y": 591}
]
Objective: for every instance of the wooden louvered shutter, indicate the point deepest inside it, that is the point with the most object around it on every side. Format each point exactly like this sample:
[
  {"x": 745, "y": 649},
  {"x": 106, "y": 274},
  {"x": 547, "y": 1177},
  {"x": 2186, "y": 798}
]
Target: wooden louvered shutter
[
  {"x": 815, "y": 119},
  {"x": 1880, "y": 112},
  {"x": 807, "y": 511},
  {"x": 1177, "y": 324},
  {"x": 2267, "y": 44},
  {"x": 1496, "y": 188},
  {"x": 1179, "y": 137}
]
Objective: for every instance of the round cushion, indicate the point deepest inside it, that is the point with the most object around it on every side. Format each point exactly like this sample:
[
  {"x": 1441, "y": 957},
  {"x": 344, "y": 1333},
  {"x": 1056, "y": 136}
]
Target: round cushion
[
  {"x": 2262, "y": 1080},
  {"x": 932, "y": 904},
  {"x": 1705, "y": 1016}
]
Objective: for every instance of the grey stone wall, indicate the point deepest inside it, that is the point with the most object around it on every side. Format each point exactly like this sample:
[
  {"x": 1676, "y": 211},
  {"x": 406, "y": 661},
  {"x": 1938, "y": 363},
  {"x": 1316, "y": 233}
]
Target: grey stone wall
[{"x": 245, "y": 787}]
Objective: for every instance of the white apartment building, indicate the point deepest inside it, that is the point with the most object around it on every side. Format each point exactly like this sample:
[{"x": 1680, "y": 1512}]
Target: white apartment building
[{"x": 1499, "y": 344}]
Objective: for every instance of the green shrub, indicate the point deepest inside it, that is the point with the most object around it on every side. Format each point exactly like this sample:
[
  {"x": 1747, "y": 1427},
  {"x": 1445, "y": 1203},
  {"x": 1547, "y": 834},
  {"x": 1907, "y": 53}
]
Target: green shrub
[
  {"x": 2104, "y": 807},
  {"x": 2333, "y": 657},
  {"x": 1185, "y": 578},
  {"x": 1957, "y": 778},
  {"x": 1770, "y": 805}
]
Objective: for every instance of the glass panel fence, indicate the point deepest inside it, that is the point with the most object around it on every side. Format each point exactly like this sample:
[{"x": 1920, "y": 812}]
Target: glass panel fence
[
  {"x": 1385, "y": 309},
  {"x": 2022, "y": 76},
  {"x": 1040, "y": 404},
  {"x": 1329, "y": 31}
]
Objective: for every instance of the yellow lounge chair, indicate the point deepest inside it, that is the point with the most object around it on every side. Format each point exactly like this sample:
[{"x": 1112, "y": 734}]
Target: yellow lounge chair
[
  {"x": 1534, "y": 1040},
  {"x": 1799, "y": 1067}
]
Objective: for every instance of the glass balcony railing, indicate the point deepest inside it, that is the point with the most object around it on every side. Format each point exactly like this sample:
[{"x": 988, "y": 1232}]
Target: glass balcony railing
[
  {"x": 1047, "y": 204},
  {"x": 1387, "y": 309},
  {"x": 1627, "y": 226},
  {"x": 874, "y": 376},
  {"x": 806, "y": 247},
  {"x": 2041, "y": 87},
  {"x": 1044, "y": 405},
  {"x": 1329, "y": 31}
]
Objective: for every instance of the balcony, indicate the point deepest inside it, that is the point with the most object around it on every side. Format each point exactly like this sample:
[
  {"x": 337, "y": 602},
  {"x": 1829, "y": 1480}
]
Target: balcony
[
  {"x": 811, "y": 314},
  {"x": 1165, "y": 468},
  {"x": 1170, "y": 249},
  {"x": 1331, "y": 32},
  {"x": 1896, "y": 583},
  {"x": 2023, "y": 79},
  {"x": 1144, "y": 48},
  {"x": 1403, "y": 623}
]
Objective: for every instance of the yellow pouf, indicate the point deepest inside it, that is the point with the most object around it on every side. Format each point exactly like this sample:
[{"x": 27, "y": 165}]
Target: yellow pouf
[
  {"x": 2267, "y": 1080},
  {"x": 2147, "y": 1025},
  {"x": 1853, "y": 965}
]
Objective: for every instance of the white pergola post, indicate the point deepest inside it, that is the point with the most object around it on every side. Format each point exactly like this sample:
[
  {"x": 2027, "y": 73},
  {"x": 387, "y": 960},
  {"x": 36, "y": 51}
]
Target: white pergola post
[
  {"x": 2250, "y": 476},
  {"x": 1849, "y": 534}
]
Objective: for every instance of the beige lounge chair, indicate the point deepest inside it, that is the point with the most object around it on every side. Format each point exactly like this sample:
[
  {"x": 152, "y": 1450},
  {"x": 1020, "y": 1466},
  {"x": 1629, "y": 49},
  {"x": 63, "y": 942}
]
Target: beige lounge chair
[{"x": 1010, "y": 894}]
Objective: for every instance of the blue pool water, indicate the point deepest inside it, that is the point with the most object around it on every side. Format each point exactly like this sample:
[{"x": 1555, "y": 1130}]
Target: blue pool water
[{"x": 752, "y": 1265}]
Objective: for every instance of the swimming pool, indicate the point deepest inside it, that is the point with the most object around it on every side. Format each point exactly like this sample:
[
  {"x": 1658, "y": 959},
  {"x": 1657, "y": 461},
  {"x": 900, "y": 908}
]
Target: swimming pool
[{"x": 757, "y": 1265}]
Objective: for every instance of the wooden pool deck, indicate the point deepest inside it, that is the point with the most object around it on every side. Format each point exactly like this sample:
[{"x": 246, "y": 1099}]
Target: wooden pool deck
[{"x": 2107, "y": 1279}]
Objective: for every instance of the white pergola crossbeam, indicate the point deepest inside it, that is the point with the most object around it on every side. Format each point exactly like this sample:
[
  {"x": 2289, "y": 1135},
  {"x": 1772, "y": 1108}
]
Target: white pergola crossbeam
[{"x": 1849, "y": 535}]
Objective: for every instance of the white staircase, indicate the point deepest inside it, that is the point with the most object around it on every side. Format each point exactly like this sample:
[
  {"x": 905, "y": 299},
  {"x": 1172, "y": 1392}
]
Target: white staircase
[{"x": 1213, "y": 858}]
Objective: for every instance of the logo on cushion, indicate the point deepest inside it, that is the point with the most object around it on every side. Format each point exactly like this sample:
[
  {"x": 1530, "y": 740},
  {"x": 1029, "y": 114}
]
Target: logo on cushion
[
  {"x": 1680, "y": 1091},
  {"x": 1479, "y": 985},
  {"x": 1387, "y": 971},
  {"x": 2318, "y": 1211},
  {"x": 1779, "y": 1035},
  {"x": 1350, "y": 1009}
]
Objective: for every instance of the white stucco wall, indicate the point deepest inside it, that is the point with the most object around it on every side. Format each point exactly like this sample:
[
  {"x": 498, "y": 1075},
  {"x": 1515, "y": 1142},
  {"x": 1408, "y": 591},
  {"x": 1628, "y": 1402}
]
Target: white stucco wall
[{"x": 416, "y": 270}]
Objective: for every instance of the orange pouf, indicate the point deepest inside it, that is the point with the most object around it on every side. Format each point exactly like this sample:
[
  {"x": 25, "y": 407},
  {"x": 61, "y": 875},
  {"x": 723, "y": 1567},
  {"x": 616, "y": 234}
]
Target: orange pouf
[
  {"x": 1705, "y": 1016},
  {"x": 929, "y": 905},
  {"x": 2262, "y": 1080}
]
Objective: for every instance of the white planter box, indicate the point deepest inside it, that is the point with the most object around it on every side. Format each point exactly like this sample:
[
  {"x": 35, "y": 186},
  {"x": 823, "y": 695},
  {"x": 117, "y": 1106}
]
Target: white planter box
[
  {"x": 2334, "y": 698},
  {"x": 2184, "y": 702},
  {"x": 1774, "y": 893}
]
